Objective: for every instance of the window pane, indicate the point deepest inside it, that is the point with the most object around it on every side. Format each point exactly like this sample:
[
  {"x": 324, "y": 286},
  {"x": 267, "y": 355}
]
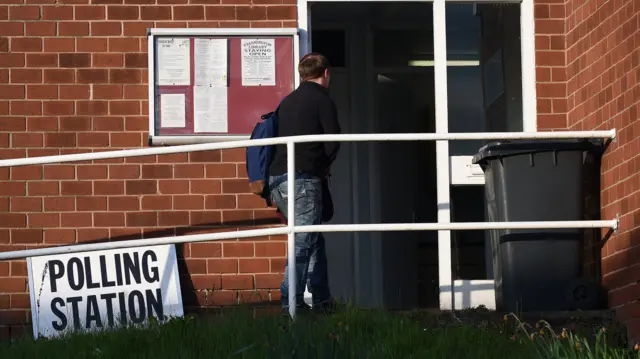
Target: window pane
[{"x": 484, "y": 71}]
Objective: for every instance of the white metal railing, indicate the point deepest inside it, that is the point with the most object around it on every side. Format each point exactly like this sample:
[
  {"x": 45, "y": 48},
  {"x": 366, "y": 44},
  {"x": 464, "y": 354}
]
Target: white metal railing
[{"x": 291, "y": 229}]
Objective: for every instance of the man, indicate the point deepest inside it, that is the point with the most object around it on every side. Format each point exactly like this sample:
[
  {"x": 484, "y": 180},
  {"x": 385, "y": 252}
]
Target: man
[{"x": 307, "y": 111}]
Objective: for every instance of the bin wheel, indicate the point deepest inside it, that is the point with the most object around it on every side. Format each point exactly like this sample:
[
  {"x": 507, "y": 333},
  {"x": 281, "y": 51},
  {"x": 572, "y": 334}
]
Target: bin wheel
[{"x": 582, "y": 294}]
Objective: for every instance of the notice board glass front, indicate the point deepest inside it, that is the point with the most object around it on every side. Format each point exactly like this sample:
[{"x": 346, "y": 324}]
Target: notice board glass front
[{"x": 214, "y": 84}]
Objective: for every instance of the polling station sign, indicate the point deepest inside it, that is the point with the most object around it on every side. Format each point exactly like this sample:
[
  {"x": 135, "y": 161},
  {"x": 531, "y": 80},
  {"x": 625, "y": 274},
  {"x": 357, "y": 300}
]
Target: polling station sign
[{"x": 103, "y": 289}]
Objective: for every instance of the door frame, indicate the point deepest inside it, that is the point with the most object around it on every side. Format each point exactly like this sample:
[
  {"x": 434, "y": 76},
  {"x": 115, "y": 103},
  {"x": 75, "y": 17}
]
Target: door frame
[{"x": 448, "y": 287}]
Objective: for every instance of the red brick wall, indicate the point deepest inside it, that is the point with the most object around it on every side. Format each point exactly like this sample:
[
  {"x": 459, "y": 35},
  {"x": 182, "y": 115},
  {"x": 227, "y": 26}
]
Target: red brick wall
[
  {"x": 588, "y": 73},
  {"x": 72, "y": 80}
]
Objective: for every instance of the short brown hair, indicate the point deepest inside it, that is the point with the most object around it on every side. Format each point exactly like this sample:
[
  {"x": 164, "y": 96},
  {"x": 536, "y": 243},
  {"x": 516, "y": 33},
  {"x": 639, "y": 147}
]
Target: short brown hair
[{"x": 312, "y": 66}]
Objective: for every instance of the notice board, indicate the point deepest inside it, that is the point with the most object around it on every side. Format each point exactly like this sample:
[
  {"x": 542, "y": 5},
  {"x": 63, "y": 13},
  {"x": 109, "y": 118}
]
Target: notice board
[{"x": 214, "y": 84}]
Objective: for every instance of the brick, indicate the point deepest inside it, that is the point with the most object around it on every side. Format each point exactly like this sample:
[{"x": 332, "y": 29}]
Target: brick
[
  {"x": 43, "y": 220},
  {"x": 173, "y": 186},
  {"x": 106, "y": 29},
  {"x": 221, "y": 170},
  {"x": 12, "y": 92},
  {"x": 124, "y": 107},
  {"x": 12, "y": 60},
  {"x": 235, "y": 186},
  {"x": 26, "y": 76},
  {"x": 76, "y": 28},
  {"x": 223, "y": 298},
  {"x": 220, "y": 12},
  {"x": 138, "y": 92},
  {"x": 13, "y": 220},
  {"x": 136, "y": 187},
  {"x": 93, "y": 203},
  {"x": 254, "y": 265},
  {"x": 25, "y": 12},
  {"x": 109, "y": 187},
  {"x": 13, "y": 285},
  {"x": 206, "y": 186},
  {"x": 204, "y": 218},
  {"x": 156, "y": 202},
  {"x": 157, "y": 171},
  {"x": 10, "y": 188},
  {"x": 27, "y": 140},
  {"x": 12, "y": 124},
  {"x": 108, "y": 219},
  {"x": 26, "y": 173},
  {"x": 62, "y": 44},
  {"x": 268, "y": 281},
  {"x": 76, "y": 188},
  {"x": 206, "y": 250},
  {"x": 237, "y": 282},
  {"x": 22, "y": 236},
  {"x": 38, "y": 92},
  {"x": 155, "y": 13},
  {"x": 75, "y": 92},
  {"x": 142, "y": 219},
  {"x": 59, "y": 75},
  {"x": 107, "y": 60},
  {"x": 173, "y": 218},
  {"x": 222, "y": 266},
  {"x": 12, "y": 28},
  {"x": 27, "y": 108},
  {"x": 270, "y": 249},
  {"x": 76, "y": 220},
  {"x": 57, "y": 12},
  {"x": 117, "y": 12},
  {"x": 90, "y": 12},
  {"x": 189, "y": 12},
  {"x": 220, "y": 202},
  {"x": 92, "y": 234},
  {"x": 125, "y": 76},
  {"x": 238, "y": 249},
  {"x": 92, "y": 108},
  {"x": 251, "y": 13},
  {"x": 60, "y": 139},
  {"x": 26, "y": 204},
  {"x": 40, "y": 28},
  {"x": 281, "y": 12},
  {"x": 126, "y": 140},
  {"x": 195, "y": 266},
  {"x": 189, "y": 171},
  {"x": 58, "y": 108},
  {"x": 75, "y": 60},
  {"x": 92, "y": 172},
  {"x": 26, "y": 44},
  {"x": 92, "y": 76},
  {"x": 136, "y": 60}
]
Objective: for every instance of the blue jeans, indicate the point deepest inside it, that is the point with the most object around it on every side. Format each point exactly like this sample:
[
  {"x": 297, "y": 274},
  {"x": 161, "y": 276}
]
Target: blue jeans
[{"x": 311, "y": 259}]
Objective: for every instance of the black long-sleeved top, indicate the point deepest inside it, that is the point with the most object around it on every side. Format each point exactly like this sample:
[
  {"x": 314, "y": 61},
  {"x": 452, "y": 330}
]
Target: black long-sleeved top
[{"x": 307, "y": 111}]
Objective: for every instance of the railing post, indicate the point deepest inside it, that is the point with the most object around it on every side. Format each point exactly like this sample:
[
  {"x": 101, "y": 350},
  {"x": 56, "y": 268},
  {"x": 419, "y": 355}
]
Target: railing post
[{"x": 291, "y": 219}]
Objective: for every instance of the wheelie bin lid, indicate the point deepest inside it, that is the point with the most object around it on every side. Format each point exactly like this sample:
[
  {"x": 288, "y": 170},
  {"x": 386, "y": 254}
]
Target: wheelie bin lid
[{"x": 499, "y": 149}]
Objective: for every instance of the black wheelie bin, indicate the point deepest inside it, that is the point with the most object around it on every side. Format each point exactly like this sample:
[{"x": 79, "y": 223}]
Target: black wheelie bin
[{"x": 541, "y": 180}]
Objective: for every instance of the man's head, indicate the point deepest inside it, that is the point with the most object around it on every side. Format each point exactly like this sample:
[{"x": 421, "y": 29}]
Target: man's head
[{"x": 314, "y": 67}]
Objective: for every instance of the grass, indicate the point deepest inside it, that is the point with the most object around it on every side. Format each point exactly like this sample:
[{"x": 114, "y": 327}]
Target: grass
[{"x": 353, "y": 333}]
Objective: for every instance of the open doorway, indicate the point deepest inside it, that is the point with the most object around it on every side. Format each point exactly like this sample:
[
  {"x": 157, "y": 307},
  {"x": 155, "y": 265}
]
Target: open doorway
[
  {"x": 380, "y": 87},
  {"x": 383, "y": 81}
]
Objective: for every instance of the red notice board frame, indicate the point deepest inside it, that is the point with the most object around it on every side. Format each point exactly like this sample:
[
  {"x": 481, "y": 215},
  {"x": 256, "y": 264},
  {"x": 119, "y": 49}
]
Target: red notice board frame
[{"x": 245, "y": 103}]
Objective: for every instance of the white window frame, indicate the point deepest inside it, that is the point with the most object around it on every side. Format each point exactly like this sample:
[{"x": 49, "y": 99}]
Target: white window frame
[{"x": 459, "y": 293}]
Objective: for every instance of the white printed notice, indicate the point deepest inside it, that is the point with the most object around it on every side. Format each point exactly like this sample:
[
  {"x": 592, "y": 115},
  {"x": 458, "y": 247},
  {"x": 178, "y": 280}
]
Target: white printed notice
[
  {"x": 258, "y": 62},
  {"x": 210, "y": 58},
  {"x": 210, "y": 109},
  {"x": 172, "y": 110},
  {"x": 99, "y": 290},
  {"x": 173, "y": 62}
]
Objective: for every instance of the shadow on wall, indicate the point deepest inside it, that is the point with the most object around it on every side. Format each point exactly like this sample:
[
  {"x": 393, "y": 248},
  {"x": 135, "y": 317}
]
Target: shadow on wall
[{"x": 16, "y": 324}]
